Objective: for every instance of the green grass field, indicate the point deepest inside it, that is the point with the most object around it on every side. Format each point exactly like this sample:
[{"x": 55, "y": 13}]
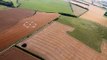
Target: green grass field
[
  {"x": 86, "y": 31},
  {"x": 47, "y": 5}
]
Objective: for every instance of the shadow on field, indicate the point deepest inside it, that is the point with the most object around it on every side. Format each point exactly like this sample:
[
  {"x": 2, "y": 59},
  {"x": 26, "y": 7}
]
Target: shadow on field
[{"x": 69, "y": 15}]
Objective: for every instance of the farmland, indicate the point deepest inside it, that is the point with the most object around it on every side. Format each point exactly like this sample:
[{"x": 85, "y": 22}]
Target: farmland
[
  {"x": 53, "y": 43},
  {"x": 86, "y": 31},
  {"x": 46, "y": 5},
  {"x": 65, "y": 38},
  {"x": 14, "y": 29}
]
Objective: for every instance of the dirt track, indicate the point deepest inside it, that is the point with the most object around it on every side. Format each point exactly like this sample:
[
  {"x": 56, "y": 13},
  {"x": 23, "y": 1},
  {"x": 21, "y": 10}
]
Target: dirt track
[
  {"x": 95, "y": 14},
  {"x": 53, "y": 43},
  {"x": 24, "y": 27}
]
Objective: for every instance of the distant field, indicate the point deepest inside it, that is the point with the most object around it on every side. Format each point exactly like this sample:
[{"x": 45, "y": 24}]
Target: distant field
[
  {"x": 86, "y": 31},
  {"x": 47, "y": 5}
]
